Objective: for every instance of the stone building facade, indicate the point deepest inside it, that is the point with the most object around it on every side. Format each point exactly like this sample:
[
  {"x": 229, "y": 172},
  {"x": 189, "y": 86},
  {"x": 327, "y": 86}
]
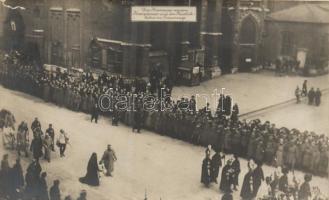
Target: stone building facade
[
  {"x": 98, "y": 34},
  {"x": 300, "y": 33}
]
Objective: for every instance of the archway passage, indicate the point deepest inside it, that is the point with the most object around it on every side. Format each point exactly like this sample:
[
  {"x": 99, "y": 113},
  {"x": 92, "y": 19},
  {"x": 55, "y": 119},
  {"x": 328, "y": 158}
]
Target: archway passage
[
  {"x": 226, "y": 43},
  {"x": 248, "y": 44}
]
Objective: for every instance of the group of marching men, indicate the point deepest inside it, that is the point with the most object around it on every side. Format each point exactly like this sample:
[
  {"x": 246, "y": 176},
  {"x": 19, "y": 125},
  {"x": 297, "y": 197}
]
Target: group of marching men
[
  {"x": 42, "y": 144},
  {"x": 278, "y": 185}
]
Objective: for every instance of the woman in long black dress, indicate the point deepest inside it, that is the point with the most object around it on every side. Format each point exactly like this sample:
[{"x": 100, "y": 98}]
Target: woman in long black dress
[{"x": 91, "y": 177}]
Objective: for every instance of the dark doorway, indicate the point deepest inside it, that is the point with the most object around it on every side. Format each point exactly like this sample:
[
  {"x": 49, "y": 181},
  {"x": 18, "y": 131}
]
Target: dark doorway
[
  {"x": 32, "y": 54},
  {"x": 248, "y": 36},
  {"x": 226, "y": 43},
  {"x": 57, "y": 53}
]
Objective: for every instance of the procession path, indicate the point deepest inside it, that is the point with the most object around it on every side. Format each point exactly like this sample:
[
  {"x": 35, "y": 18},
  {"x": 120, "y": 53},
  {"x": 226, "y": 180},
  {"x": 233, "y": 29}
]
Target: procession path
[{"x": 168, "y": 169}]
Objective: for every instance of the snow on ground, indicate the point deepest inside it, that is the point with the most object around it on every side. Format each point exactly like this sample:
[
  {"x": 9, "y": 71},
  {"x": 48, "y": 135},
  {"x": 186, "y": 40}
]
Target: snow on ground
[
  {"x": 301, "y": 116},
  {"x": 168, "y": 169},
  {"x": 252, "y": 91}
]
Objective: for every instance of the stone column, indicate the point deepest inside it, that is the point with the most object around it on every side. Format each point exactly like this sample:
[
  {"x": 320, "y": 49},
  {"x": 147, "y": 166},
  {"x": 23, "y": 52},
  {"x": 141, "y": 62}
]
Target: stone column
[
  {"x": 212, "y": 36},
  {"x": 144, "y": 38},
  {"x": 184, "y": 44},
  {"x": 126, "y": 39},
  {"x": 203, "y": 22},
  {"x": 145, "y": 64},
  {"x": 236, "y": 37}
]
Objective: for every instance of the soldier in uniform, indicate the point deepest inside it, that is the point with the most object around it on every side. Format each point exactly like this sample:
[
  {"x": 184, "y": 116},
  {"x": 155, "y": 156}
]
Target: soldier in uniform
[
  {"x": 138, "y": 120},
  {"x": 50, "y": 131},
  {"x": 95, "y": 113},
  {"x": 35, "y": 124},
  {"x": 315, "y": 159},
  {"x": 304, "y": 89},
  {"x": 311, "y": 95},
  {"x": 108, "y": 160},
  {"x": 305, "y": 189},
  {"x": 291, "y": 155},
  {"x": 297, "y": 94},
  {"x": 317, "y": 97}
]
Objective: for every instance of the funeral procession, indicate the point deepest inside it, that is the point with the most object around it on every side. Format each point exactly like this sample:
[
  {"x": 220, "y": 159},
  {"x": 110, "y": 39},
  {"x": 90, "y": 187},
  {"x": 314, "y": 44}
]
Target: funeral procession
[{"x": 164, "y": 99}]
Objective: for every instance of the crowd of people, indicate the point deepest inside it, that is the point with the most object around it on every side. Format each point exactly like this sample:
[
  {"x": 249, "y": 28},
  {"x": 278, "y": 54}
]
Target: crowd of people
[
  {"x": 277, "y": 184},
  {"x": 180, "y": 119},
  {"x": 221, "y": 128},
  {"x": 14, "y": 185}
]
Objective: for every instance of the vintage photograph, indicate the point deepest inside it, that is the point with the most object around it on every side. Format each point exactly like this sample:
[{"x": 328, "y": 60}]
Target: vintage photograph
[{"x": 164, "y": 99}]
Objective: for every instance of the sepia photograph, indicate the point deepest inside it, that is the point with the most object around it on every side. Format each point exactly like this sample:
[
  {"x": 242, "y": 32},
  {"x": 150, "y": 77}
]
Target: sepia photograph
[{"x": 164, "y": 99}]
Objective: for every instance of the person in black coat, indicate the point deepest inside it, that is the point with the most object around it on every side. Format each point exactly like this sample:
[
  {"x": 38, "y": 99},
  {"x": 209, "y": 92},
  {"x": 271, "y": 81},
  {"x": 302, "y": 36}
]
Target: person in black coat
[
  {"x": 206, "y": 171},
  {"x": 17, "y": 178},
  {"x": 311, "y": 95},
  {"x": 237, "y": 170},
  {"x": 138, "y": 120},
  {"x": 43, "y": 188},
  {"x": 95, "y": 113},
  {"x": 36, "y": 147},
  {"x": 216, "y": 164},
  {"x": 235, "y": 113},
  {"x": 227, "y": 177},
  {"x": 258, "y": 177},
  {"x": 54, "y": 192},
  {"x": 5, "y": 175},
  {"x": 32, "y": 178},
  {"x": 317, "y": 97},
  {"x": 91, "y": 177},
  {"x": 247, "y": 189},
  {"x": 304, "y": 89}
]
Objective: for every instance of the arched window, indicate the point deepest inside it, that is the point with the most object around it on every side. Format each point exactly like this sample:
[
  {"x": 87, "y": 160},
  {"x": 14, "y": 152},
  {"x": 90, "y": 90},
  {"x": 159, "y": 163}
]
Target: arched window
[{"x": 248, "y": 31}]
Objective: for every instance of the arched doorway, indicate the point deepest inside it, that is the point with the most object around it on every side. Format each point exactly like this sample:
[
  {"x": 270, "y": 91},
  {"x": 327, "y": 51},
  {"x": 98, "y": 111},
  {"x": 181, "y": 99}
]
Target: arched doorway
[
  {"x": 248, "y": 44},
  {"x": 226, "y": 43}
]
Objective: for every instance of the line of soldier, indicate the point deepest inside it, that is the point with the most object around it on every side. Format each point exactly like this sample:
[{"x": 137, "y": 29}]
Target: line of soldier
[
  {"x": 261, "y": 141},
  {"x": 14, "y": 185}
]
